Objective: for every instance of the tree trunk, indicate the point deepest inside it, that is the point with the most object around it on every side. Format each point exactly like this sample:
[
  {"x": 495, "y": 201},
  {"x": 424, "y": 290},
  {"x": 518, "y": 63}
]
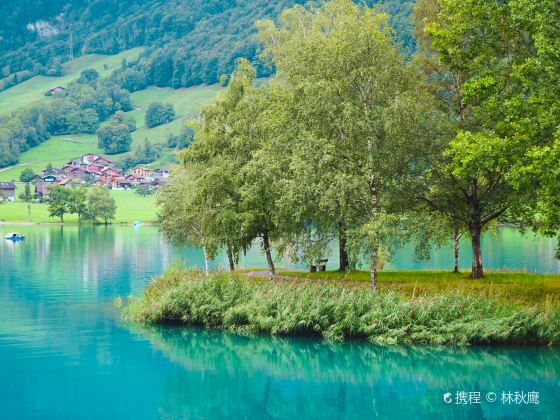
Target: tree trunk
[
  {"x": 206, "y": 269},
  {"x": 230, "y": 258},
  {"x": 266, "y": 247},
  {"x": 61, "y": 218},
  {"x": 477, "y": 271},
  {"x": 342, "y": 254},
  {"x": 373, "y": 265},
  {"x": 456, "y": 246}
]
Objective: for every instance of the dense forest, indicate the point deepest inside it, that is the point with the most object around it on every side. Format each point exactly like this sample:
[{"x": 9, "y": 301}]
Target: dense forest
[{"x": 189, "y": 42}]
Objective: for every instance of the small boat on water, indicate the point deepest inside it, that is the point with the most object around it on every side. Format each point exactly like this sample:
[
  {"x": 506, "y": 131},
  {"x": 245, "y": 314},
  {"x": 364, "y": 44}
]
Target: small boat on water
[{"x": 15, "y": 237}]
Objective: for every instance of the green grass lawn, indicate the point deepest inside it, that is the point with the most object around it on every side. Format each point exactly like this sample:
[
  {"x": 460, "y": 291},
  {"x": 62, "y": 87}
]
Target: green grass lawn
[
  {"x": 32, "y": 91},
  {"x": 130, "y": 208},
  {"x": 521, "y": 287}
]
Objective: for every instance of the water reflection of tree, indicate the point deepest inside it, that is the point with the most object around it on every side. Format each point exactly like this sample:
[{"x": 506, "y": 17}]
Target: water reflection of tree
[{"x": 225, "y": 375}]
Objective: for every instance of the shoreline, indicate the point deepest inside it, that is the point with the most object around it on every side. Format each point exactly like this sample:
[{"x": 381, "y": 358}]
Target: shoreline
[{"x": 3, "y": 223}]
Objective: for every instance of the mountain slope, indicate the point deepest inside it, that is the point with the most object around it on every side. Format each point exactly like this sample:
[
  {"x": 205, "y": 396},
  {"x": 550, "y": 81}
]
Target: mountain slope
[{"x": 188, "y": 42}]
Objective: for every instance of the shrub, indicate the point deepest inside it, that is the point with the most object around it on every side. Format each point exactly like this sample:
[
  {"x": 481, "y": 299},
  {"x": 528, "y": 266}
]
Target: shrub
[{"x": 337, "y": 312}]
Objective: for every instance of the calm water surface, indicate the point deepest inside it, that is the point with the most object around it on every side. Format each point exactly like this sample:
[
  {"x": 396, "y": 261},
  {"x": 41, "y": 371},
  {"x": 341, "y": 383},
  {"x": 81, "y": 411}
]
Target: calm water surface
[{"x": 65, "y": 354}]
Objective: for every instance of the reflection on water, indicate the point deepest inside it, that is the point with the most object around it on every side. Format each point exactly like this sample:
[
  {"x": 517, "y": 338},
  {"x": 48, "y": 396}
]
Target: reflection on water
[
  {"x": 65, "y": 354},
  {"x": 297, "y": 378}
]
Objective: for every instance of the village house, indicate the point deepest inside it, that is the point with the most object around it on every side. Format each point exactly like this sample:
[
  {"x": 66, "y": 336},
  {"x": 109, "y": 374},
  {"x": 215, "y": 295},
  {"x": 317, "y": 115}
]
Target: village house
[
  {"x": 7, "y": 191},
  {"x": 90, "y": 158},
  {"x": 162, "y": 172},
  {"x": 97, "y": 169},
  {"x": 41, "y": 191},
  {"x": 141, "y": 172},
  {"x": 55, "y": 90},
  {"x": 70, "y": 182},
  {"x": 53, "y": 171},
  {"x": 114, "y": 172},
  {"x": 160, "y": 181},
  {"x": 103, "y": 162},
  {"x": 94, "y": 169},
  {"x": 50, "y": 179},
  {"x": 78, "y": 173},
  {"x": 121, "y": 184}
]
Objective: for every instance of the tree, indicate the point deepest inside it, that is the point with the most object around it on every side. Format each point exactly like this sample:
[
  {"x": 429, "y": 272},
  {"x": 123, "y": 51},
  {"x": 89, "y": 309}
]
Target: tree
[
  {"x": 77, "y": 202},
  {"x": 184, "y": 219},
  {"x": 101, "y": 206},
  {"x": 114, "y": 138},
  {"x": 362, "y": 110},
  {"x": 144, "y": 190},
  {"x": 159, "y": 113},
  {"x": 497, "y": 81},
  {"x": 27, "y": 175},
  {"x": 121, "y": 117},
  {"x": 26, "y": 195},
  {"x": 58, "y": 202},
  {"x": 88, "y": 76},
  {"x": 236, "y": 185}
]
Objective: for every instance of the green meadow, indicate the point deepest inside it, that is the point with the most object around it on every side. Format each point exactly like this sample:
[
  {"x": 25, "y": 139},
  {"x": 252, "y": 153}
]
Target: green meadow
[
  {"x": 186, "y": 101},
  {"x": 131, "y": 207},
  {"x": 31, "y": 92}
]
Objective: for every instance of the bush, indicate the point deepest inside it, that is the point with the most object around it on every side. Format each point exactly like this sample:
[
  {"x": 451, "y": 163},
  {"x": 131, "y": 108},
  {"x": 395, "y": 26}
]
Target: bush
[{"x": 337, "y": 312}]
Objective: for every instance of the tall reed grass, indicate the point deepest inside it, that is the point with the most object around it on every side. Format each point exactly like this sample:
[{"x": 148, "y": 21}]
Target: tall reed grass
[{"x": 336, "y": 312}]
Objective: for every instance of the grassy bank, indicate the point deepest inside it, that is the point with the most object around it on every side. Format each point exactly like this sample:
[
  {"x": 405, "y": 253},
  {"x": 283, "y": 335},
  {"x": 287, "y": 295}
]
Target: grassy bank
[
  {"x": 130, "y": 208},
  {"x": 335, "y": 311},
  {"x": 522, "y": 288}
]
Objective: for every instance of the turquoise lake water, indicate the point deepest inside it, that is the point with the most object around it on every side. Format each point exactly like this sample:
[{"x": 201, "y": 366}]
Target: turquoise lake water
[{"x": 65, "y": 353}]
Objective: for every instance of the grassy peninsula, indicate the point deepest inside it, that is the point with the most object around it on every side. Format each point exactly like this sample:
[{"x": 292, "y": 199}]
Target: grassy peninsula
[{"x": 425, "y": 313}]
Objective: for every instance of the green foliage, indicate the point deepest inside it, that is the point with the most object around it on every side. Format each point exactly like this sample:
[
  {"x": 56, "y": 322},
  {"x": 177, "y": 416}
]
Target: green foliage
[
  {"x": 89, "y": 76},
  {"x": 181, "y": 140},
  {"x": 121, "y": 117},
  {"x": 146, "y": 152},
  {"x": 27, "y": 175},
  {"x": 79, "y": 110},
  {"x": 336, "y": 312},
  {"x": 188, "y": 43},
  {"x": 144, "y": 190},
  {"x": 494, "y": 76},
  {"x": 101, "y": 207},
  {"x": 58, "y": 201},
  {"x": 159, "y": 113},
  {"x": 77, "y": 202},
  {"x": 114, "y": 138},
  {"x": 26, "y": 195},
  {"x": 362, "y": 124}
]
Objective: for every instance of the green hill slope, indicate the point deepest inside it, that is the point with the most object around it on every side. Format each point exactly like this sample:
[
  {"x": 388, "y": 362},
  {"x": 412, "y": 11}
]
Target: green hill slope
[
  {"x": 59, "y": 149},
  {"x": 31, "y": 92}
]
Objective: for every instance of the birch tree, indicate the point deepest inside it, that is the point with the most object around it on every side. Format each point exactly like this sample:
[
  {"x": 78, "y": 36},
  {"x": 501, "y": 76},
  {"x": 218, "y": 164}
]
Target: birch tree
[{"x": 368, "y": 114}]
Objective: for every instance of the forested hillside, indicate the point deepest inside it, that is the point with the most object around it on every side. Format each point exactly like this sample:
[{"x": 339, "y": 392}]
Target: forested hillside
[
  {"x": 189, "y": 41},
  {"x": 183, "y": 43}
]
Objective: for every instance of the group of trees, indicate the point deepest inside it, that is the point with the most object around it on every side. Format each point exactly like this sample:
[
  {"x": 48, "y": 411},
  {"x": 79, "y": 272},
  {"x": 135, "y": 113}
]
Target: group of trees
[
  {"x": 80, "y": 109},
  {"x": 353, "y": 140},
  {"x": 115, "y": 137},
  {"x": 159, "y": 113},
  {"x": 95, "y": 205},
  {"x": 143, "y": 153}
]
